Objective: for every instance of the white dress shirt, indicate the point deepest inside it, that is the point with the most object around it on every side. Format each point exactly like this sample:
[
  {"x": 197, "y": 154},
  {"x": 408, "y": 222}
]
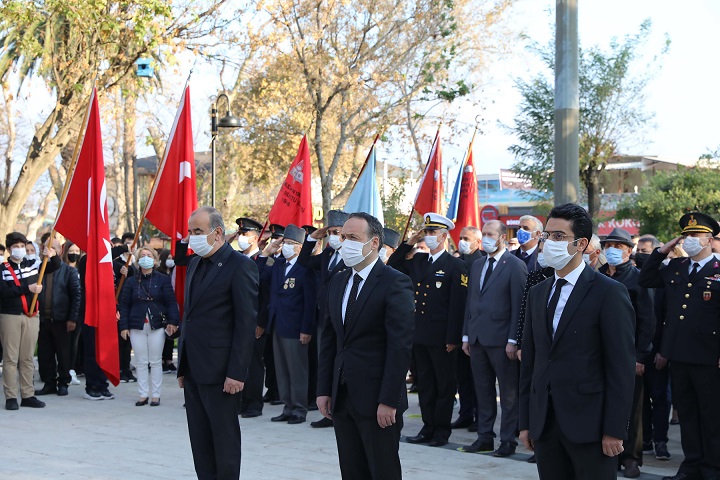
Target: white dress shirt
[
  {"x": 436, "y": 256},
  {"x": 364, "y": 274},
  {"x": 252, "y": 252},
  {"x": 572, "y": 279},
  {"x": 289, "y": 264},
  {"x": 701, "y": 263}
]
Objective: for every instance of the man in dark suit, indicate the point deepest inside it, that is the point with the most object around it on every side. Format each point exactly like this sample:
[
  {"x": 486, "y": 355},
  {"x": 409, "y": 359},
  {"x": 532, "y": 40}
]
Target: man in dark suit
[
  {"x": 441, "y": 288},
  {"x": 691, "y": 340},
  {"x": 325, "y": 265},
  {"x": 365, "y": 354},
  {"x": 528, "y": 235},
  {"x": 469, "y": 250},
  {"x": 578, "y": 362},
  {"x": 221, "y": 295},
  {"x": 489, "y": 338},
  {"x": 291, "y": 321}
]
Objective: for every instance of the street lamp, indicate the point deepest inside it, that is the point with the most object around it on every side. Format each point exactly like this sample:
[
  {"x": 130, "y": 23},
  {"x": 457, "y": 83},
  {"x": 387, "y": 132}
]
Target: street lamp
[{"x": 228, "y": 121}]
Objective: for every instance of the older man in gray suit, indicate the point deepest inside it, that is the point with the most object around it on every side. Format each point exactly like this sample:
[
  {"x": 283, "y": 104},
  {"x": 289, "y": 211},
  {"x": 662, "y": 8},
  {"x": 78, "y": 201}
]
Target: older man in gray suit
[{"x": 491, "y": 317}]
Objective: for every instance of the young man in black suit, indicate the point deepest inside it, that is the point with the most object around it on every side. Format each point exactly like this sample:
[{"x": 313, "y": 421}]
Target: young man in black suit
[
  {"x": 365, "y": 354},
  {"x": 216, "y": 344},
  {"x": 578, "y": 363}
]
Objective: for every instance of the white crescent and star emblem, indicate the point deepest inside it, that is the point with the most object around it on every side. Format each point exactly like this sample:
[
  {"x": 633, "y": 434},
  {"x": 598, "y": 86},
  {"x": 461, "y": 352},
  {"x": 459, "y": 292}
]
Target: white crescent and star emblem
[{"x": 185, "y": 170}]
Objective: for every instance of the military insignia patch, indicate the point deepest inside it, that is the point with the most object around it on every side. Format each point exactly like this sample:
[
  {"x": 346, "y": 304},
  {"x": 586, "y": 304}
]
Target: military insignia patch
[
  {"x": 285, "y": 285},
  {"x": 463, "y": 280},
  {"x": 707, "y": 296},
  {"x": 438, "y": 284},
  {"x": 291, "y": 283}
]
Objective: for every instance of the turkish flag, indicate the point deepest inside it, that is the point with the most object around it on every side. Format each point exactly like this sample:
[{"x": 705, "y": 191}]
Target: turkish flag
[
  {"x": 468, "y": 214},
  {"x": 294, "y": 200},
  {"x": 429, "y": 196},
  {"x": 83, "y": 218},
  {"x": 174, "y": 194}
]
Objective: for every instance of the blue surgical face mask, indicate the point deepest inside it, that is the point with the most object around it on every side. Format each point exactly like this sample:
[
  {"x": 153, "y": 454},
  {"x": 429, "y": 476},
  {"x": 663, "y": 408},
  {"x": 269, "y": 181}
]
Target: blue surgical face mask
[
  {"x": 614, "y": 256},
  {"x": 523, "y": 236}
]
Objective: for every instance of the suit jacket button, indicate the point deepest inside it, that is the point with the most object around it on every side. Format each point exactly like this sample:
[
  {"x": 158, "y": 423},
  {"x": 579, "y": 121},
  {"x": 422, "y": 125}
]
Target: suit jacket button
[
  {"x": 682, "y": 317},
  {"x": 689, "y": 284}
]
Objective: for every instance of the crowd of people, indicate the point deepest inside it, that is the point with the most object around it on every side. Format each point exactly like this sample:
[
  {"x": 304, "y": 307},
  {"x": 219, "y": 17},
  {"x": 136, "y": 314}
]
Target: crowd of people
[{"x": 588, "y": 341}]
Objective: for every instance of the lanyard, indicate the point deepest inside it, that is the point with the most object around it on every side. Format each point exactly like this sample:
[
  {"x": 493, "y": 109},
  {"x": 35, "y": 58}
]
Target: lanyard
[{"x": 22, "y": 297}]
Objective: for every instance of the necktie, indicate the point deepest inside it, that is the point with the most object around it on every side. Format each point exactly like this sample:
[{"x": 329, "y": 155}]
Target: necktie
[
  {"x": 200, "y": 272},
  {"x": 552, "y": 306},
  {"x": 430, "y": 259},
  {"x": 693, "y": 272},
  {"x": 523, "y": 254},
  {"x": 288, "y": 266},
  {"x": 488, "y": 272},
  {"x": 351, "y": 300},
  {"x": 333, "y": 261}
]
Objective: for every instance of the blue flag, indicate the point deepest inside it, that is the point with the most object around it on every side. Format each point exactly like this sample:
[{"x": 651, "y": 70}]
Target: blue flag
[
  {"x": 365, "y": 196},
  {"x": 455, "y": 199}
]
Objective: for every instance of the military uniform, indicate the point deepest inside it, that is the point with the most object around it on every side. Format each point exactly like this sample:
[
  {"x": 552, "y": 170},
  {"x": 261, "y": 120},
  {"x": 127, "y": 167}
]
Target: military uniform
[
  {"x": 691, "y": 342},
  {"x": 440, "y": 295}
]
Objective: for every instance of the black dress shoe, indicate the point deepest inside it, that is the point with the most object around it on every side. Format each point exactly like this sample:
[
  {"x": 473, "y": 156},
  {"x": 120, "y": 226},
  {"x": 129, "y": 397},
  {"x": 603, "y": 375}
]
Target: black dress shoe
[
  {"x": 62, "y": 390},
  {"x": 532, "y": 459},
  {"x": 11, "y": 404},
  {"x": 280, "y": 418},
  {"x": 437, "y": 443},
  {"x": 461, "y": 423},
  {"x": 504, "y": 450},
  {"x": 47, "y": 389},
  {"x": 32, "y": 402},
  {"x": 322, "y": 423},
  {"x": 418, "y": 439},
  {"x": 269, "y": 397},
  {"x": 155, "y": 403},
  {"x": 413, "y": 389},
  {"x": 276, "y": 402},
  {"x": 250, "y": 414},
  {"x": 631, "y": 468},
  {"x": 140, "y": 403},
  {"x": 295, "y": 419},
  {"x": 479, "y": 446}
]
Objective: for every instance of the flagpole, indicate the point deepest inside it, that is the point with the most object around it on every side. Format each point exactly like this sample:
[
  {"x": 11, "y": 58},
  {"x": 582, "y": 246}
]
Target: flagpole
[
  {"x": 427, "y": 164},
  {"x": 70, "y": 173},
  {"x": 161, "y": 166}
]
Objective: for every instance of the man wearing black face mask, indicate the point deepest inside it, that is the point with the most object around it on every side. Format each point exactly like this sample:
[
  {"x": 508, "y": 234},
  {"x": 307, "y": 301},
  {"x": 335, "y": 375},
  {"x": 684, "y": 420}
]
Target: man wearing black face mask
[
  {"x": 691, "y": 340},
  {"x": 618, "y": 246}
]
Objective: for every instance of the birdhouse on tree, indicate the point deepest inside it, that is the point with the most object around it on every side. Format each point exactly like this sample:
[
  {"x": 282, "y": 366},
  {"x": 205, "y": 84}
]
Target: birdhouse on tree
[{"x": 143, "y": 68}]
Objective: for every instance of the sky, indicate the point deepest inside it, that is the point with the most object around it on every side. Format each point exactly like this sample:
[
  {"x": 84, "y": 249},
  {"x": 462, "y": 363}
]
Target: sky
[{"x": 683, "y": 94}]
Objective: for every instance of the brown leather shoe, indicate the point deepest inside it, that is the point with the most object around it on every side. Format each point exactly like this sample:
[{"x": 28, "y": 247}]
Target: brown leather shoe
[{"x": 631, "y": 468}]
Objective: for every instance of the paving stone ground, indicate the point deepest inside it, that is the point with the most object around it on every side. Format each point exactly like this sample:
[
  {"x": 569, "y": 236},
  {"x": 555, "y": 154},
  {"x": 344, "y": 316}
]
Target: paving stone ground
[{"x": 113, "y": 439}]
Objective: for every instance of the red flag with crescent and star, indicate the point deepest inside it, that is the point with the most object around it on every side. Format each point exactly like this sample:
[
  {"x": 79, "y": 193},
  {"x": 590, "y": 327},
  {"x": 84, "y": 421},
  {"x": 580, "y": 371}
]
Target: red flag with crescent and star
[
  {"x": 429, "y": 196},
  {"x": 174, "y": 194},
  {"x": 83, "y": 219},
  {"x": 294, "y": 200}
]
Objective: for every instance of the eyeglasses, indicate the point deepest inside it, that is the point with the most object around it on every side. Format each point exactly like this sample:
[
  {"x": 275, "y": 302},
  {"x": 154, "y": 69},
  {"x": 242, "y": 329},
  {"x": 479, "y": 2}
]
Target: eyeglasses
[{"x": 555, "y": 236}]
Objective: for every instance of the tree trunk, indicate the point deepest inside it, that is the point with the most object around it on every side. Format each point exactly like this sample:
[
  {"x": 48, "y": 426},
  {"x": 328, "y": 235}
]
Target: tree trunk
[
  {"x": 39, "y": 219},
  {"x": 11, "y": 137},
  {"x": 592, "y": 184},
  {"x": 128, "y": 155}
]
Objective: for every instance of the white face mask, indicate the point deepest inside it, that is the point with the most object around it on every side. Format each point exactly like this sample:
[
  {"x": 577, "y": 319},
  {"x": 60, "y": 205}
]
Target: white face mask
[
  {"x": 556, "y": 254},
  {"x": 541, "y": 260},
  {"x": 464, "y": 247},
  {"x": 169, "y": 263},
  {"x": 334, "y": 241},
  {"x": 586, "y": 258},
  {"x": 146, "y": 262},
  {"x": 31, "y": 256},
  {"x": 288, "y": 250},
  {"x": 17, "y": 253},
  {"x": 351, "y": 252},
  {"x": 692, "y": 246},
  {"x": 431, "y": 241},
  {"x": 2, "y": 258},
  {"x": 489, "y": 245},
  {"x": 383, "y": 255},
  {"x": 199, "y": 244},
  {"x": 243, "y": 242}
]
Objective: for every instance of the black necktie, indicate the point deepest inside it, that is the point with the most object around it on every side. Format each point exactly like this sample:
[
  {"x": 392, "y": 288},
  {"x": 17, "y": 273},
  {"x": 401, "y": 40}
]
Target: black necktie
[
  {"x": 288, "y": 266},
  {"x": 552, "y": 306},
  {"x": 693, "y": 272},
  {"x": 351, "y": 300},
  {"x": 200, "y": 271},
  {"x": 523, "y": 254},
  {"x": 488, "y": 272},
  {"x": 333, "y": 261}
]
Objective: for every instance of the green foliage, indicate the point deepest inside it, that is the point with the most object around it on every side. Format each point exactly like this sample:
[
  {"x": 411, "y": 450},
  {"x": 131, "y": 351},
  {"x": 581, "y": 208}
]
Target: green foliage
[
  {"x": 668, "y": 195},
  {"x": 612, "y": 111}
]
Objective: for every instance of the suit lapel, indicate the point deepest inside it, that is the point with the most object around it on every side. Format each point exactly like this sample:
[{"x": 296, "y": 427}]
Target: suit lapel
[
  {"x": 544, "y": 297},
  {"x": 214, "y": 269},
  {"x": 336, "y": 308},
  {"x": 497, "y": 269},
  {"x": 370, "y": 283},
  {"x": 578, "y": 293},
  {"x": 188, "y": 282}
]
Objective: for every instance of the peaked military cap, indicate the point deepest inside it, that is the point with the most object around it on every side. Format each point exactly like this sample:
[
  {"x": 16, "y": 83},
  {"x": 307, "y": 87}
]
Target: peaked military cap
[
  {"x": 248, "y": 225},
  {"x": 434, "y": 221},
  {"x": 696, "y": 222}
]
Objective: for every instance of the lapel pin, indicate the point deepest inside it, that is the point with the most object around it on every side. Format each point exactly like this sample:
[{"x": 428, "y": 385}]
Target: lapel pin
[{"x": 220, "y": 264}]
